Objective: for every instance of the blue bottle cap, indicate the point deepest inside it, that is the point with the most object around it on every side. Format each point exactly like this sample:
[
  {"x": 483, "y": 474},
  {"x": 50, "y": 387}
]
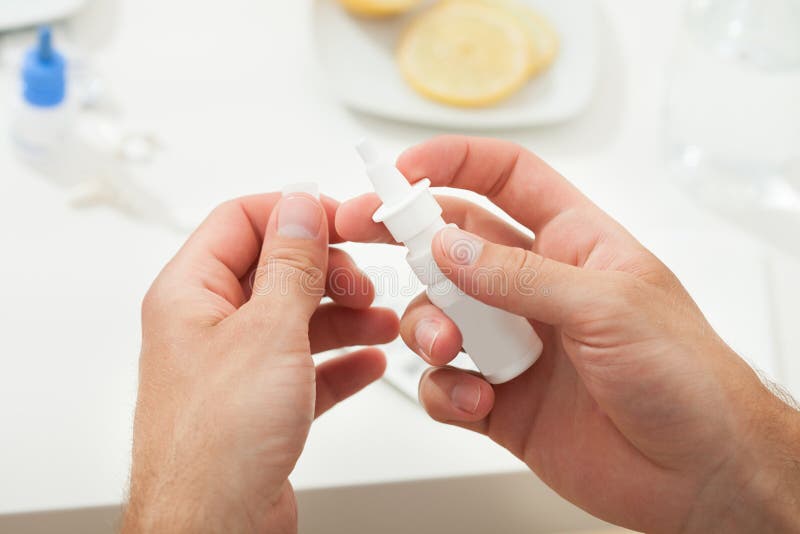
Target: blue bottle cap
[{"x": 44, "y": 73}]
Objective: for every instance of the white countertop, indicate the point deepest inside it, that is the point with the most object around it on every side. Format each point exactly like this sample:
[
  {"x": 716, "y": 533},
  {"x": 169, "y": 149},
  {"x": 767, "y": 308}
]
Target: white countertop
[{"x": 233, "y": 91}]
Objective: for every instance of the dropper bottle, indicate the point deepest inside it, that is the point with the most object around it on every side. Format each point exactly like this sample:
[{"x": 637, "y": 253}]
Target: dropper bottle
[
  {"x": 502, "y": 345},
  {"x": 44, "y": 117},
  {"x": 53, "y": 138}
]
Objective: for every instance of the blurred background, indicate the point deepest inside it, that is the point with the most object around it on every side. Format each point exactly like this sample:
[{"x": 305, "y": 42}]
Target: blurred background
[{"x": 132, "y": 119}]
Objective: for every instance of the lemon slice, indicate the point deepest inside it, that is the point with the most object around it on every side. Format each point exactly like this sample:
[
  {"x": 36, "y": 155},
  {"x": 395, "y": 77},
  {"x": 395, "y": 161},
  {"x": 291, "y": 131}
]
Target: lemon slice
[
  {"x": 543, "y": 37},
  {"x": 378, "y": 8},
  {"x": 466, "y": 54}
]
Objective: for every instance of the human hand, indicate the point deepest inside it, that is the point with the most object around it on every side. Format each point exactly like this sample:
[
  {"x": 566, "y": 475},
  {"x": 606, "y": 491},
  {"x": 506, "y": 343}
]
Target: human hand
[
  {"x": 227, "y": 386},
  {"x": 636, "y": 411}
]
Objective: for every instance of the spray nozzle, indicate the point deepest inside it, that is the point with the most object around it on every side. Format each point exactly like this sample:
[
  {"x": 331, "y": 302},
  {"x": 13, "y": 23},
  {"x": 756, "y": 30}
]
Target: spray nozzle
[
  {"x": 368, "y": 151},
  {"x": 390, "y": 185}
]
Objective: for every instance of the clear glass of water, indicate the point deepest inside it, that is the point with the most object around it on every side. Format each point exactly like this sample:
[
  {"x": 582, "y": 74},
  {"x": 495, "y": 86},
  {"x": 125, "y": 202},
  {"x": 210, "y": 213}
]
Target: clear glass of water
[{"x": 733, "y": 108}]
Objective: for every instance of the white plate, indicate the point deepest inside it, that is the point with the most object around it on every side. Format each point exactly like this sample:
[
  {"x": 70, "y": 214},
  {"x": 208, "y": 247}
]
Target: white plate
[
  {"x": 358, "y": 56},
  {"x": 21, "y": 13}
]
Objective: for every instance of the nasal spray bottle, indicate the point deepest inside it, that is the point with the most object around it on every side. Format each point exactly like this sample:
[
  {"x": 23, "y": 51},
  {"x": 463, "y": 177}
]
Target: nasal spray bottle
[{"x": 502, "y": 345}]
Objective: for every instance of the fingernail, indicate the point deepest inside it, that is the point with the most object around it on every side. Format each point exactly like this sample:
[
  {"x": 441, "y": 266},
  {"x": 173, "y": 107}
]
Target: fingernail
[
  {"x": 460, "y": 247},
  {"x": 299, "y": 216},
  {"x": 466, "y": 396},
  {"x": 310, "y": 188},
  {"x": 426, "y": 333}
]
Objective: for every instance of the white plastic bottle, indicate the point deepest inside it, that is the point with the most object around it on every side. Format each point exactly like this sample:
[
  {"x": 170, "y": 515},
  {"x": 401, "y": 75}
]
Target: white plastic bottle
[{"x": 502, "y": 345}]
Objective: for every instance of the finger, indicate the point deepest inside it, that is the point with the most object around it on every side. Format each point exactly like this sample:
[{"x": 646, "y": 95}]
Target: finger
[
  {"x": 333, "y": 326},
  {"x": 292, "y": 268},
  {"x": 346, "y": 284},
  {"x": 354, "y": 221},
  {"x": 457, "y": 397},
  {"x": 514, "y": 279},
  {"x": 344, "y": 376},
  {"x": 519, "y": 182},
  {"x": 429, "y": 332},
  {"x": 219, "y": 254}
]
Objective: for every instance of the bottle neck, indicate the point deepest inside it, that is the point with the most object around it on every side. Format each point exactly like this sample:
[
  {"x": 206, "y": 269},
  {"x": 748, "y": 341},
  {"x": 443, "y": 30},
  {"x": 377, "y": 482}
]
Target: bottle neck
[{"x": 422, "y": 241}]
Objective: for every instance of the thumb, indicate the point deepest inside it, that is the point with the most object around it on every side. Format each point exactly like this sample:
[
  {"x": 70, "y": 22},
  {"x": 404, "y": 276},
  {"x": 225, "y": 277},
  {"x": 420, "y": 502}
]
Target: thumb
[
  {"x": 512, "y": 278},
  {"x": 294, "y": 258}
]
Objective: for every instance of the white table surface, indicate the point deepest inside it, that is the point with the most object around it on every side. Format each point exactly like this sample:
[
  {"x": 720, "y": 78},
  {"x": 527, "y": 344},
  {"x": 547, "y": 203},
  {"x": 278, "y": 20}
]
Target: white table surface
[{"x": 233, "y": 90}]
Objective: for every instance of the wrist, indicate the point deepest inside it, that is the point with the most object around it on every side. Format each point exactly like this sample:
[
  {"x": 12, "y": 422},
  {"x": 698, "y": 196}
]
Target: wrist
[
  {"x": 772, "y": 485},
  {"x": 757, "y": 489},
  {"x": 199, "y": 506}
]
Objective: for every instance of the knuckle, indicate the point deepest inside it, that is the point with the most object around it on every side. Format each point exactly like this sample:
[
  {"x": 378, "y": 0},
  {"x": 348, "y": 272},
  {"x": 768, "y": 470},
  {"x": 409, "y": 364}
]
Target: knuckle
[
  {"x": 149, "y": 301},
  {"x": 630, "y": 292},
  {"x": 618, "y": 297},
  {"x": 527, "y": 270},
  {"x": 292, "y": 259},
  {"x": 514, "y": 259},
  {"x": 288, "y": 267},
  {"x": 152, "y": 302}
]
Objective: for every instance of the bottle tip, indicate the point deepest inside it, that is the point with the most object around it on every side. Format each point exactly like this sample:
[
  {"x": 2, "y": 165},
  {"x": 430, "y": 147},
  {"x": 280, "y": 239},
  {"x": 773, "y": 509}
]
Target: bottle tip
[
  {"x": 387, "y": 181},
  {"x": 45, "y": 43},
  {"x": 368, "y": 151}
]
